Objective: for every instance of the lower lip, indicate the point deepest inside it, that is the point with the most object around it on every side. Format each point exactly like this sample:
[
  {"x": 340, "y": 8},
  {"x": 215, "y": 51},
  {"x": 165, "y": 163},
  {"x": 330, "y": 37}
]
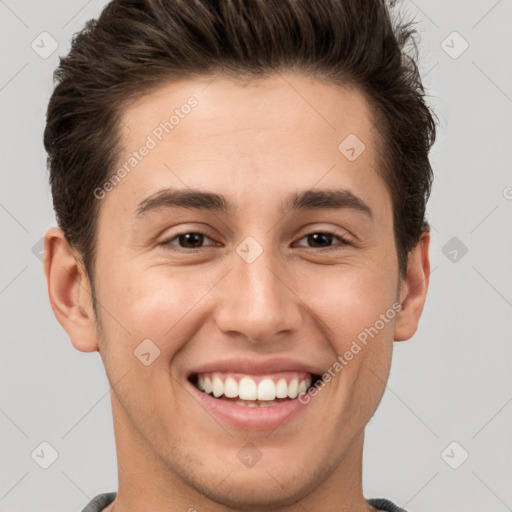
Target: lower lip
[{"x": 250, "y": 418}]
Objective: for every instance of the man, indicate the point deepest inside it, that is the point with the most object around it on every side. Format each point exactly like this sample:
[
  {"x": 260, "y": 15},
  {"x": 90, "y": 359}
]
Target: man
[{"x": 240, "y": 188}]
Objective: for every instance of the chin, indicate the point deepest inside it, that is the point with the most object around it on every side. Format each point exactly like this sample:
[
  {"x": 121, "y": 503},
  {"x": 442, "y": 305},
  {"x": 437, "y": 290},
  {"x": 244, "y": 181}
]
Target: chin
[
  {"x": 254, "y": 495},
  {"x": 259, "y": 489}
]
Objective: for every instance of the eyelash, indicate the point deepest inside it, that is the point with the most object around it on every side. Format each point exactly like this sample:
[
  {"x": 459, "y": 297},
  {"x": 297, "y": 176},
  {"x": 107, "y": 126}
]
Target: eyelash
[{"x": 167, "y": 243}]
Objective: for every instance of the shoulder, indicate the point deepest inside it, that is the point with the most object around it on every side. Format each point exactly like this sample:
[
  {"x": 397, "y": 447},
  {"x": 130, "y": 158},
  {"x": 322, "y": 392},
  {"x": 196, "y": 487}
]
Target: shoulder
[
  {"x": 385, "y": 505},
  {"x": 100, "y": 502}
]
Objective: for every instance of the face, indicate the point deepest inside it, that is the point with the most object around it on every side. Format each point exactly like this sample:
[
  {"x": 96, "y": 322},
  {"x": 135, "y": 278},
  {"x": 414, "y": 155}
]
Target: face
[{"x": 217, "y": 310}]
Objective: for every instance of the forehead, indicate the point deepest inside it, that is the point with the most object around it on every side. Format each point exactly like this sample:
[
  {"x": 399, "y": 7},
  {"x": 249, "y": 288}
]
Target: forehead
[
  {"x": 220, "y": 133},
  {"x": 294, "y": 104}
]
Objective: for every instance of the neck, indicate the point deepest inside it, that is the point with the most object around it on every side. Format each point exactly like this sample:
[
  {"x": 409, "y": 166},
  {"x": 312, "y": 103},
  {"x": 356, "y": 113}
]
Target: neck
[{"x": 146, "y": 482}]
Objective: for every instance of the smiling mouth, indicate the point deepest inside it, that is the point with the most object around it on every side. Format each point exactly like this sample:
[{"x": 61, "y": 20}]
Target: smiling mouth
[{"x": 253, "y": 390}]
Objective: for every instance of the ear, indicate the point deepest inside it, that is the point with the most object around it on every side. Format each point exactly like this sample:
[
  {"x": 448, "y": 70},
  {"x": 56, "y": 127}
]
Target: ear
[
  {"x": 69, "y": 291},
  {"x": 413, "y": 289}
]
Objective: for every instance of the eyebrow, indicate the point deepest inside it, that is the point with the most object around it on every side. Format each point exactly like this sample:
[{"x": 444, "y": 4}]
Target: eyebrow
[{"x": 312, "y": 199}]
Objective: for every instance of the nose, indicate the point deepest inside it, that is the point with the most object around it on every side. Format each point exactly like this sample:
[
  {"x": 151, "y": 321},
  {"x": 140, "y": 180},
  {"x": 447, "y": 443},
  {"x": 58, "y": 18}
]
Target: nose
[{"x": 256, "y": 301}]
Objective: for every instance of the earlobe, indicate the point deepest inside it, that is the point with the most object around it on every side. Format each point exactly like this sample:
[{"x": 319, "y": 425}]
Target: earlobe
[
  {"x": 413, "y": 290},
  {"x": 69, "y": 291}
]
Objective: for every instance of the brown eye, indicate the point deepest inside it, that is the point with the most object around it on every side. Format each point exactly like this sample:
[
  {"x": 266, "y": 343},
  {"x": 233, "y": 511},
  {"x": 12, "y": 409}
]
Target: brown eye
[
  {"x": 188, "y": 240},
  {"x": 323, "y": 240}
]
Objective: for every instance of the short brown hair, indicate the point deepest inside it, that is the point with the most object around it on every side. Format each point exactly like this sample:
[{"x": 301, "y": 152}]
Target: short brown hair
[{"x": 136, "y": 46}]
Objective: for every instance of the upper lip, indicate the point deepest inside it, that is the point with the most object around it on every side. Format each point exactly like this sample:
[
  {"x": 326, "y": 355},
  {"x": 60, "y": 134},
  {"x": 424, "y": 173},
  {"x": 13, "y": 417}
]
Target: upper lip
[{"x": 256, "y": 366}]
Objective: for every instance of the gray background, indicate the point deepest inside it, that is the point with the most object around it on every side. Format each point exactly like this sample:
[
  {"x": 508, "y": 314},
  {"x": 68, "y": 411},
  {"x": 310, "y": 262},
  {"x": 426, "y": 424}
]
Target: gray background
[{"x": 450, "y": 383}]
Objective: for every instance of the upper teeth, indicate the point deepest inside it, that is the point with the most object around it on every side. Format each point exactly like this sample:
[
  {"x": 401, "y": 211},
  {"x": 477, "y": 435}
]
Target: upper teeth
[{"x": 247, "y": 388}]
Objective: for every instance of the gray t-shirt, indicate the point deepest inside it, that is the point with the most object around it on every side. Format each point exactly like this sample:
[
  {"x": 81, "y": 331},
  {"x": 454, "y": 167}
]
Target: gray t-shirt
[{"x": 102, "y": 500}]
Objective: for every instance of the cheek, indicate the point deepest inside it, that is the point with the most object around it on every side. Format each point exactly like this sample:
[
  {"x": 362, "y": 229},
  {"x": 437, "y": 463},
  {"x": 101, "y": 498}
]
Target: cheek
[
  {"x": 355, "y": 307},
  {"x": 155, "y": 304},
  {"x": 350, "y": 300}
]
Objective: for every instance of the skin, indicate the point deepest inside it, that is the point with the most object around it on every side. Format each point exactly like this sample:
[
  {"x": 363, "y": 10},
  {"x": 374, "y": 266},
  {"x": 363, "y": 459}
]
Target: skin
[{"x": 254, "y": 142}]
